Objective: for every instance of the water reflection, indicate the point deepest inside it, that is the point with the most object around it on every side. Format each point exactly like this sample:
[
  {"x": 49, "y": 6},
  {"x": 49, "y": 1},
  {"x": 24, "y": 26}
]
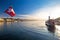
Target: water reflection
[
  {"x": 58, "y": 31},
  {"x": 1, "y": 24},
  {"x": 5, "y": 27},
  {"x": 51, "y": 29},
  {"x": 26, "y": 30},
  {"x": 8, "y": 23},
  {"x": 5, "y": 23}
]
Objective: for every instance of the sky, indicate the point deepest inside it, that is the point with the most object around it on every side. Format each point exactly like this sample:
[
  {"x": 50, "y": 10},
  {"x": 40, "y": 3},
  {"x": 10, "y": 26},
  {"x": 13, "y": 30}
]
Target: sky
[{"x": 31, "y": 8}]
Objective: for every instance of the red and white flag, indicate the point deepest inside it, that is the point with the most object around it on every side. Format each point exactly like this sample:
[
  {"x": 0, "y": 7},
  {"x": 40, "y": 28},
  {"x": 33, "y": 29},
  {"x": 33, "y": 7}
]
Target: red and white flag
[{"x": 10, "y": 11}]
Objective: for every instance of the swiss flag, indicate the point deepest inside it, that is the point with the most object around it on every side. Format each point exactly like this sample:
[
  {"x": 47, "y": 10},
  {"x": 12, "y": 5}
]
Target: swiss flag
[{"x": 10, "y": 11}]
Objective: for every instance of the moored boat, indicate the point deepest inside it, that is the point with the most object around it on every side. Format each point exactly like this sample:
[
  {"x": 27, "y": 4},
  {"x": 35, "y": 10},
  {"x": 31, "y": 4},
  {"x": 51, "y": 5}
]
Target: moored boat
[{"x": 50, "y": 23}]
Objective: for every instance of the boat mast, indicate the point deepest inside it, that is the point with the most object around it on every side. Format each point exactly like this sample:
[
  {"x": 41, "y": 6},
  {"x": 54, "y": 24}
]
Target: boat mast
[{"x": 49, "y": 18}]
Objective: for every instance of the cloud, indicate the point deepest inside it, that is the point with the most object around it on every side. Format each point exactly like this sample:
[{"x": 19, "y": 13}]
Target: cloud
[
  {"x": 43, "y": 13},
  {"x": 53, "y": 11},
  {"x": 28, "y": 16}
]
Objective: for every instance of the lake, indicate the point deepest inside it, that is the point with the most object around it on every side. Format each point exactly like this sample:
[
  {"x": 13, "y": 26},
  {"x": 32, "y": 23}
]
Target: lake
[{"x": 27, "y": 30}]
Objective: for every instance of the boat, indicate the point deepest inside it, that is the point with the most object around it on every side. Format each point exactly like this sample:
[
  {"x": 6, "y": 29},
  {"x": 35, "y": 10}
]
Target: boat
[{"x": 50, "y": 23}]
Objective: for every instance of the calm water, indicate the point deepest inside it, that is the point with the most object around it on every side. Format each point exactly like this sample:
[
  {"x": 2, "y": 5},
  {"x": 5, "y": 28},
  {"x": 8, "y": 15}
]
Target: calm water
[{"x": 26, "y": 30}]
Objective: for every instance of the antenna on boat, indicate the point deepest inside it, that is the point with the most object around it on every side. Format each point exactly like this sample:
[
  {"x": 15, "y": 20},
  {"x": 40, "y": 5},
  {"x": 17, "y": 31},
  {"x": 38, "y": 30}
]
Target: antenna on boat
[{"x": 49, "y": 18}]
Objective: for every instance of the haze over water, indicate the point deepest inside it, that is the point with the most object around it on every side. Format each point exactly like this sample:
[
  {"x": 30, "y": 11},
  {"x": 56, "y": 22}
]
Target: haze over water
[{"x": 26, "y": 30}]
